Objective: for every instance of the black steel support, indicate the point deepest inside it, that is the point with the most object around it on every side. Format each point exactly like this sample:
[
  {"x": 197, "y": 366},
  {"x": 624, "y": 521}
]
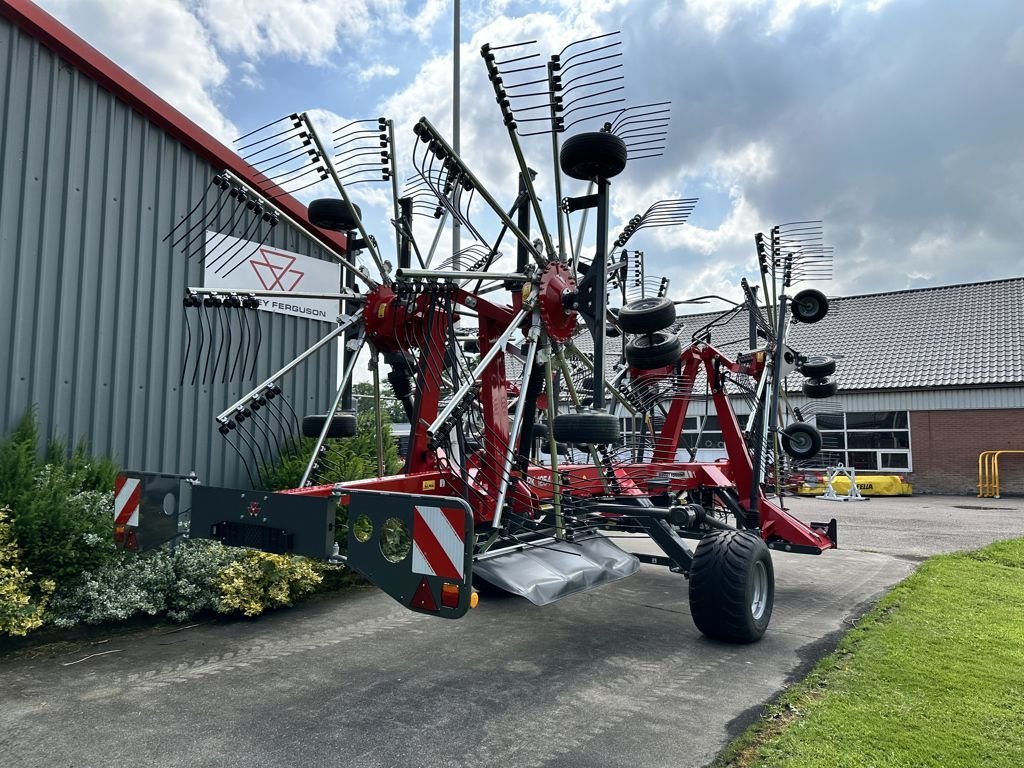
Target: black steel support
[{"x": 405, "y": 252}]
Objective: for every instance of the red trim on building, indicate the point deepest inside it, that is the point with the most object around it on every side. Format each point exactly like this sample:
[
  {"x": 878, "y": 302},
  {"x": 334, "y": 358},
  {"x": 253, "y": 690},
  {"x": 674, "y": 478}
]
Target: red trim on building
[{"x": 35, "y": 22}]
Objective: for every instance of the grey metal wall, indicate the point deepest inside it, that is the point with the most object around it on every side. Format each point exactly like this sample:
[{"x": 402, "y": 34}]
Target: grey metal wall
[{"x": 91, "y": 323}]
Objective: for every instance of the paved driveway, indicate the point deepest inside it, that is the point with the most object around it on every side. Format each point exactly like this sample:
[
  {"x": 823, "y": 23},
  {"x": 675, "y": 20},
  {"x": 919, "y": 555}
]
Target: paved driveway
[{"x": 615, "y": 677}]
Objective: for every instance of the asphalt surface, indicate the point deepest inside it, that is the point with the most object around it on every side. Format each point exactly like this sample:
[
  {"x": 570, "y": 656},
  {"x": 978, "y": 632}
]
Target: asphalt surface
[{"x": 615, "y": 677}]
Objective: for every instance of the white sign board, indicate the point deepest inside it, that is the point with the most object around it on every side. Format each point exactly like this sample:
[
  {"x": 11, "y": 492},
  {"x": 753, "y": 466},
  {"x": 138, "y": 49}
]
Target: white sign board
[{"x": 238, "y": 265}]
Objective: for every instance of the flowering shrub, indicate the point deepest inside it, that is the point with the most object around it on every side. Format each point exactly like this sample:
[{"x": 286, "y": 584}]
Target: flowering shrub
[
  {"x": 20, "y": 610},
  {"x": 256, "y": 581},
  {"x": 181, "y": 584}
]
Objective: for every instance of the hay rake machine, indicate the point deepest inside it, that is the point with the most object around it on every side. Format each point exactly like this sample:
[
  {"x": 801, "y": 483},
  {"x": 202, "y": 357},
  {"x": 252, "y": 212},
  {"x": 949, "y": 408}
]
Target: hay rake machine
[{"x": 546, "y": 390}]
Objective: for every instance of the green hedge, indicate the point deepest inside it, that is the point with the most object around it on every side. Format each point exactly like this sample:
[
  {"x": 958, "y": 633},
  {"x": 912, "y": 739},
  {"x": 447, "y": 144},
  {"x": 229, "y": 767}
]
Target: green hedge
[{"x": 59, "y": 564}]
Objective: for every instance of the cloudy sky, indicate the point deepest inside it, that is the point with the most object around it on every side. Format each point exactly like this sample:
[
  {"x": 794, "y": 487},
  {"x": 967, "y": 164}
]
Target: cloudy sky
[{"x": 899, "y": 123}]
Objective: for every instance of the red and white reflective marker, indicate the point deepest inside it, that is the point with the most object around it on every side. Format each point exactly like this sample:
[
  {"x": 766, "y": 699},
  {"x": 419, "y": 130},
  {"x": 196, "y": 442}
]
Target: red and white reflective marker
[
  {"x": 127, "y": 495},
  {"x": 438, "y": 542}
]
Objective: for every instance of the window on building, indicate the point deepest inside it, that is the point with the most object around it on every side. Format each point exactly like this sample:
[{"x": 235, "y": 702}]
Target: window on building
[
  {"x": 865, "y": 440},
  {"x": 702, "y": 432}
]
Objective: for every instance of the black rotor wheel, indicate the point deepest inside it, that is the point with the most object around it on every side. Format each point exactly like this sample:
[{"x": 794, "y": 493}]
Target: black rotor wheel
[
  {"x": 595, "y": 155},
  {"x": 342, "y": 425},
  {"x": 334, "y": 214},
  {"x": 592, "y": 427},
  {"x": 809, "y": 306},
  {"x": 819, "y": 389},
  {"x": 656, "y": 350},
  {"x": 655, "y": 313},
  {"x": 818, "y": 367},
  {"x": 801, "y": 441}
]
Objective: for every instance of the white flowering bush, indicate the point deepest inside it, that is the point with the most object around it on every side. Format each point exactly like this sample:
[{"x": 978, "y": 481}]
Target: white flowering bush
[
  {"x": 197, "y": 566},
  {"x": 179, "y": 584},
  {"x": 198, "y": 576}
]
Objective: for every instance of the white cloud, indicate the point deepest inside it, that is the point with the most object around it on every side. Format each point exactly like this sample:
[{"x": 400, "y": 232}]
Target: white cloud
[
  {"x": 162, "y": 44},
  {"x": 313, "y": 31},
  {"x": 377, "y": 71}
]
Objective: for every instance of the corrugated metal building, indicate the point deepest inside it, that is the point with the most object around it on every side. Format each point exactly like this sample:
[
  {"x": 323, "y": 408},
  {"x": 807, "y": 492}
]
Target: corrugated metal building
[{"x": 96, "y": 170}]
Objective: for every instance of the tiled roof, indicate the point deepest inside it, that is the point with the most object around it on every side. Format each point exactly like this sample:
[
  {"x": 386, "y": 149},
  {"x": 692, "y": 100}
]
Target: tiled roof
[{"x": 948, "y": 336}]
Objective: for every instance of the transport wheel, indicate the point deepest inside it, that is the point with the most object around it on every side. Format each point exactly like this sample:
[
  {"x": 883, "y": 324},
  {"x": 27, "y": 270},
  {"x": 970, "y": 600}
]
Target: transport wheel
[
  {"x": 809, "y": 306},
  {"x": 332, "y": 213},
  {"x": 647, "y": 315},
  {"x": 801, "y": 440},
  {"x": 587, "y": 156},
  {"x": 588, "y": 427},
  {"x": 732, "y": 586},
  {"x": 820, "y": 388},
  {"x": 653, "y": 351},
  {"x": 612, "y": 331},
  {"x": 818, "y": 367},
  {"x": 342, "y": 425}
]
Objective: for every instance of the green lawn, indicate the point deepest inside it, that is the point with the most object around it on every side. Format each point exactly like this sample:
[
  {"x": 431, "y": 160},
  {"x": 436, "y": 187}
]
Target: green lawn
[{"x": 933, "y": 676}]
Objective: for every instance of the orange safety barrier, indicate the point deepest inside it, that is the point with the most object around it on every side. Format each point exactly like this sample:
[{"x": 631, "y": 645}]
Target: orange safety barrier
[{"x": 988, "y": 473}]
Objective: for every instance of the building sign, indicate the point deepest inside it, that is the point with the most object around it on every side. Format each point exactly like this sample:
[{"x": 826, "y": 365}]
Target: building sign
[{"x": 238, "y": 265}]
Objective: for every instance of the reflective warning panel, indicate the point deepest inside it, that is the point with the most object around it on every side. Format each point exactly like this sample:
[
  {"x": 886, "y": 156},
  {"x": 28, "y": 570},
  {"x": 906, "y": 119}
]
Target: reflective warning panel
[{"x": 418, "y": 549}]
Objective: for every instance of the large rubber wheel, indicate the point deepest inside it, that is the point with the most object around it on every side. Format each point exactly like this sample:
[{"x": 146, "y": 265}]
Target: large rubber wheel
[
  {"x": 653, "y": 351},
  {"x": 342, "y": 425},
  {"x": 809, "y": 306},
  {"x": 801, "y": 441},
  {"x": 647, "y": 315},
  {"x": 332, "y": 213},
  {"x": 818, "y": 367},
  {"x": 588, "y": 427},
  {"x": 732, "y": 586},
  {"x": 587, "y": 156},
  {"x": 819, "y": 389}
]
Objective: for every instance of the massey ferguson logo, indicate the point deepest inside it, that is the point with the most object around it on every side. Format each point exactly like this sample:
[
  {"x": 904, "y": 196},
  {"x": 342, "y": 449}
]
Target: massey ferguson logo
[
  {"x": 275, "y": 271},
  {"x": 254, "y": 508}
]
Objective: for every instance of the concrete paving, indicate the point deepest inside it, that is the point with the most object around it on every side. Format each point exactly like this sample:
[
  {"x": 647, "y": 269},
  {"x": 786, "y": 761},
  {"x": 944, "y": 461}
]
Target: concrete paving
[{"x": 615, "y": 677}]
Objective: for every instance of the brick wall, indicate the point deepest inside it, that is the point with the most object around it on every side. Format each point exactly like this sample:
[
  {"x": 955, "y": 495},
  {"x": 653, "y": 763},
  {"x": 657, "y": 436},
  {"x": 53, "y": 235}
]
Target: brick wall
[{"x": 946, "y": 445}]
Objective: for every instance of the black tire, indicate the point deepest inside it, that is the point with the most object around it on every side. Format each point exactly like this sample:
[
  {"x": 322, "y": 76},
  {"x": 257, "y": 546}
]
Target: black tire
[
  {"x": 647, "y": 315},
  {"x": 819, "y": 389},
  {"x": 587, "y": 156},
  {"x": 471, "y": 346},
  {"x": 732, "y": 586},
  {"x": 342, "y": 425},
  {"x": 593, "y": 427},
  {"x": 818, "y": 367},
  {"x": 332, "y": 213},
  {"x": 587, "y": 385},
  {"x": 562, "y": 448},
  {"x": 653, "y": 351},
  {"x": 612, "y": 331},
  {"x": 801, "y": 441},
  {"x": 809, "y": 306}
]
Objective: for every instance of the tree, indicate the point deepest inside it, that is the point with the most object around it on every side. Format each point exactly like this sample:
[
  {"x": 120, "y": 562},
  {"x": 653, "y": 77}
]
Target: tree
[{"x": 362, "y": 394}]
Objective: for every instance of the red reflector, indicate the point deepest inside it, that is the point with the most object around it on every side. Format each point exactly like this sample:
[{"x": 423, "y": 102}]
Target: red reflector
[
  {"x": 132, "y": 541},
  {"x": 423, "y": 598},
  {"x": 450, "y": 595}
]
